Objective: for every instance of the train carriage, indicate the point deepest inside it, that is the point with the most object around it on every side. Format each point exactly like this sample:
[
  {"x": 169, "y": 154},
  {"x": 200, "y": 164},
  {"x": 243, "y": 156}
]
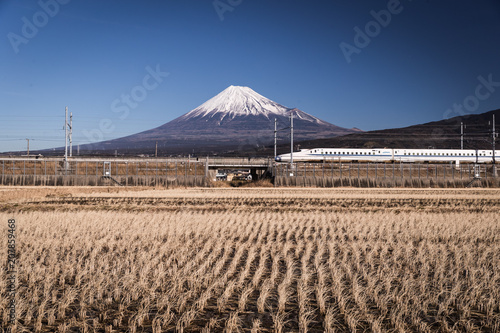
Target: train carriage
[{"x": 390, "y": 155}]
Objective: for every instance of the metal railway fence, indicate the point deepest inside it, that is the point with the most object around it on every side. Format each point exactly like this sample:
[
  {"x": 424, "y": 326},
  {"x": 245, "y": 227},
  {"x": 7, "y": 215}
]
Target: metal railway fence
[
  {"x": 386, "y": 175},
  {"x": 196, "y": 172},
  {"x": 100, "y": 173}
]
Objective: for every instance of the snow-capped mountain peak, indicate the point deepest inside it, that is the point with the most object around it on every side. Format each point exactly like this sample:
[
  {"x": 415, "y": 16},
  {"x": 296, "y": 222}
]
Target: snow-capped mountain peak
[
  {"x": 238, "y": 116},
  {"x": 237, "y": 101}
]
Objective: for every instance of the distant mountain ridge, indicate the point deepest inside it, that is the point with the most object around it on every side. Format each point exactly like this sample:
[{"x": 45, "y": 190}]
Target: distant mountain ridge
[
  {"x": 444, "y": 134},
  {"x": 238, "y": 117}
]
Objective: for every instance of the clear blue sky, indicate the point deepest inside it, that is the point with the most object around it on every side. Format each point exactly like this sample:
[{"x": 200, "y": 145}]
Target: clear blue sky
[{"x": 87, "y": 54}]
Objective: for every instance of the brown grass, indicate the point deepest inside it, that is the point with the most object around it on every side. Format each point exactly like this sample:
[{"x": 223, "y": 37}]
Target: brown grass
[{"x": 255, "y": 260}]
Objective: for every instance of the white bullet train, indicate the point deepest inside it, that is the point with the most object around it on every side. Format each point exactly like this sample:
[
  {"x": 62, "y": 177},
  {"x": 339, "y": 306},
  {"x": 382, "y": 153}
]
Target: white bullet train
[{"x": 388, "y": 155}]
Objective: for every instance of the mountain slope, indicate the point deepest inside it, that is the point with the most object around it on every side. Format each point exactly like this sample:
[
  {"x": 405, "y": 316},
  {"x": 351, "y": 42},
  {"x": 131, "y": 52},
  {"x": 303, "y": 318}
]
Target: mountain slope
[
  {"x": 237, "y": 117},
  {"x": 437, "y": 134}
]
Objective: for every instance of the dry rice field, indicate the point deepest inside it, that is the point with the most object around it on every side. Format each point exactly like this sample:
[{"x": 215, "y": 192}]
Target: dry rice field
[{"x": 253, "y": 260}]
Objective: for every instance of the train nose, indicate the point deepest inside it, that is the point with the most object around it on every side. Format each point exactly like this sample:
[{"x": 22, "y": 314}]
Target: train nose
[{"x": 277, "y": 159}]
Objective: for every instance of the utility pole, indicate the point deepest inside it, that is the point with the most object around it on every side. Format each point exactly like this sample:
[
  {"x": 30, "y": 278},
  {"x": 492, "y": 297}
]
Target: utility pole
[
  {"x": 66, "y": 139},
  {"x": 28, "y": 150},
  {"x": 494, "y": 135},
  {"x": 461, "y": 135},
  {"x": 291, "y": 140},
  {"x": 71, "y": 134},
  {"x": 156, "y": 148},
  {"x": 275, "y": 132}
]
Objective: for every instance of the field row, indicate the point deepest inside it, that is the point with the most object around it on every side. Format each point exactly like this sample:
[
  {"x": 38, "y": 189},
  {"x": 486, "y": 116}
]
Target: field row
[
  {"x": 223, "y": 199},
  {"x": 256, "y": 271},
  {"x": 273, "y": 204}
]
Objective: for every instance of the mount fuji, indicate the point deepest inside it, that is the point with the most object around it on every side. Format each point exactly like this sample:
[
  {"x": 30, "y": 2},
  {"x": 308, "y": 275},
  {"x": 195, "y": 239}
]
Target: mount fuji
[{"x": 238, "y": 117}]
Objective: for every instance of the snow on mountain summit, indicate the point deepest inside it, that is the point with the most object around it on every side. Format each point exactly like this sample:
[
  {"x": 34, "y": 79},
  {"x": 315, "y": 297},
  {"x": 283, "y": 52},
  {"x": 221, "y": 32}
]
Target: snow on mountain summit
[
  {"x": 237, "y": 101},
  {"x": 243, "y": 101}
]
